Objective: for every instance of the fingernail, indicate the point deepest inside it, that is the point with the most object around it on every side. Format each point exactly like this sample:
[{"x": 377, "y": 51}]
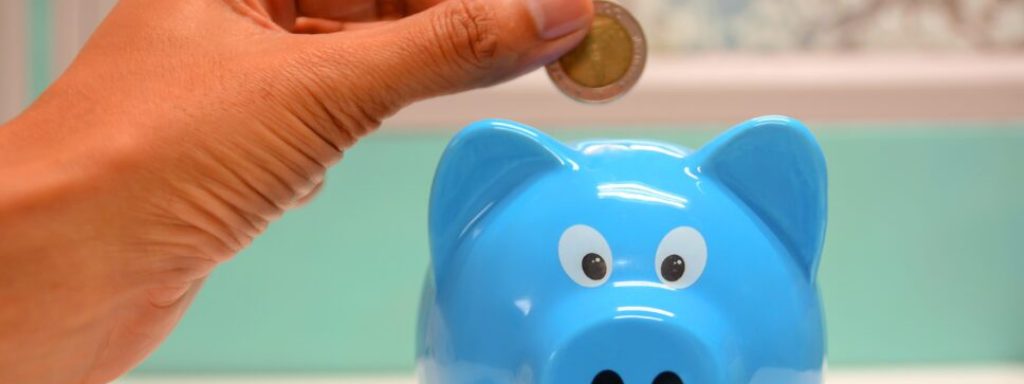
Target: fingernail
[{"x": 557, "y": 18}]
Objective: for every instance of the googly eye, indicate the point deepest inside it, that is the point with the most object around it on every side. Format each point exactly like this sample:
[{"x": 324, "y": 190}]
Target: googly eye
[
  {"x": 585, "y": 255},
  {"x": 681, "y": 257}
]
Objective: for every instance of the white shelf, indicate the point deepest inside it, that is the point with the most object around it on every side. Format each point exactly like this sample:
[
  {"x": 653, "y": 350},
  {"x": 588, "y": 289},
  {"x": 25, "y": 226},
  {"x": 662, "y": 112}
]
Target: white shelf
[{"x": 729, "y": 88}]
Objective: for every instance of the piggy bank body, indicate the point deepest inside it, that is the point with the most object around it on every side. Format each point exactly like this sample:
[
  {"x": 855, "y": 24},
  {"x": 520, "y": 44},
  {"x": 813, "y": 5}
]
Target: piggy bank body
[{"x": 625, "y": 261}]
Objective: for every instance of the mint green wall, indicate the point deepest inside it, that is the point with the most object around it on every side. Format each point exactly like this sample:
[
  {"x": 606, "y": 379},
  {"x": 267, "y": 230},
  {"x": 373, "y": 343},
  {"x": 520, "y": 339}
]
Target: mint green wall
[
  {"x": 923, "y": 262},
  {"x": 40, "y": 46}
]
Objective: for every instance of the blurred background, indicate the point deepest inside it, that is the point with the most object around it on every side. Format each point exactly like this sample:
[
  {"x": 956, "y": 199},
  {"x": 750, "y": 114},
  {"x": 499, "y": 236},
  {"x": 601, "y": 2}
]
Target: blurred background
[{"x": 919, "y": 105}]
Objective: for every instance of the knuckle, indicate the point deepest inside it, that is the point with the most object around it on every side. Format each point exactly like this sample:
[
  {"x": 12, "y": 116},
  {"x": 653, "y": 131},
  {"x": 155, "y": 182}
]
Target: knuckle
[{"x": 469, "y": 27}]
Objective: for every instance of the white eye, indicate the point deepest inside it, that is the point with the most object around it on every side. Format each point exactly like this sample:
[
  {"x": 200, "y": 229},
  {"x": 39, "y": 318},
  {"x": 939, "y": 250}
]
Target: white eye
[
  {"x": 585, "y": 255},
  {"x": 681, "y": 257}
]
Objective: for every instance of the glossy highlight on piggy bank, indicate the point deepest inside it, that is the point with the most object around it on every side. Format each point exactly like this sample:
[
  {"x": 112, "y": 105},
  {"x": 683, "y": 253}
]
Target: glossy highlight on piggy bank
[{"x": 621, "y": 261}]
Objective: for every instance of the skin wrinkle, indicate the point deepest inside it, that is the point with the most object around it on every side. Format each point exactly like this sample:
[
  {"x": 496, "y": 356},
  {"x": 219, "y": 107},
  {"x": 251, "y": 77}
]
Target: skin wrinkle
[
  {"x": 173, "y": 249},
  {"x": 372, "y": 105},
  {"x": 351, "y": 126},
  {"x": 239, "y": 235},
  {"x": 183, "y": 270},
  {"x": 177, "y": 311},
  {"x": 317, "y": 149},
  {"x": 201, "y": 214},
  {"x": 281, "y": 165},
  {"x": 101, "y": 350},
  {"x": 299, "y": 174},
  {"x": 477, "y": 25},
  {"x": 275, "y": 185},
  {"x": 379, "y": 93},
  {"x": 338, "y": 143},
  {"x": 318, "y": 157},
  {"x": 260, "y": 12},
  {"x": 311, "y": 125},
  {"x": 197, "y": 123},
  {"x": 449, "y": 51},
  {"x": 361, "y": 100},
  {"x": 468, "y": 39},
  {"x": 273, "y": 208},
  {"x": 315, "y": 108},
  {"x": 378, "y": 87},
  {"x": 298, "y": 170}
]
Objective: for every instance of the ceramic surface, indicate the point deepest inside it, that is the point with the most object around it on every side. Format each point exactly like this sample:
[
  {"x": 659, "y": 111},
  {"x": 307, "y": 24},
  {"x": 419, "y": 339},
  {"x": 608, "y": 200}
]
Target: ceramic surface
[{"x": 625, "y": 261}]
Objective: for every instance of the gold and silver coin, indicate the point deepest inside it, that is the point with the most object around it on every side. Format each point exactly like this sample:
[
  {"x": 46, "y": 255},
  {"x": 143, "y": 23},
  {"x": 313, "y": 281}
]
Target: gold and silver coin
[{"x": 609, "y": 60}]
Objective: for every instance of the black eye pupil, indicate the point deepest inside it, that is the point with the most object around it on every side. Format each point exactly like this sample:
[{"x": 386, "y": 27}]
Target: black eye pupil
[
  {"x": 594, "y": 266},
  {"x": 673, "y": 267}
]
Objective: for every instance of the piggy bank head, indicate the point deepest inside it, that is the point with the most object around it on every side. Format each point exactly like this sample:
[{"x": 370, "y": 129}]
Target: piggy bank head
[{"x": 625, "y": 261}]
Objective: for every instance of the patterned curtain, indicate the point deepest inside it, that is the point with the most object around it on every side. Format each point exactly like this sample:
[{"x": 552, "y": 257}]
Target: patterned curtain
[{"x": 832, "y": 25}]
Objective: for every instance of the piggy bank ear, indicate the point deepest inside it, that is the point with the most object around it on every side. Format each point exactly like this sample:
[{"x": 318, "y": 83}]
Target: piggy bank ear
[
  {"x": 776, "y": 167},
  {"x": 483, "y": 164}
]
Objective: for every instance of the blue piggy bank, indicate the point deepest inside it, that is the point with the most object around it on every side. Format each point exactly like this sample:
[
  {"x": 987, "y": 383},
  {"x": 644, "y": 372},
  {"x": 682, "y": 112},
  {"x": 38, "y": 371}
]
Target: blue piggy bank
[{"x": 625, "y": 261}]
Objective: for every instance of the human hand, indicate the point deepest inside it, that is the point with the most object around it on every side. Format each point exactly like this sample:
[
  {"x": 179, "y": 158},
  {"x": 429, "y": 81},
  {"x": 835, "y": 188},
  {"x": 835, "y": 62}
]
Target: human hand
[{"x": 184, "y": 127}]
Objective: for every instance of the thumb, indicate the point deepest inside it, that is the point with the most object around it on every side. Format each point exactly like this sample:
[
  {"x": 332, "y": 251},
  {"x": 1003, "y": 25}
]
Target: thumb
[{"x": 463, "y": 44}]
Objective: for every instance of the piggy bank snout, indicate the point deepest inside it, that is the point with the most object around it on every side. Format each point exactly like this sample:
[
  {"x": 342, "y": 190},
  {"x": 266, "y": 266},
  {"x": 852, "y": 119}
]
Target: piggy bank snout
[
  {"x": 612, "y": 377},
  {"x": 631, "y": 349}
]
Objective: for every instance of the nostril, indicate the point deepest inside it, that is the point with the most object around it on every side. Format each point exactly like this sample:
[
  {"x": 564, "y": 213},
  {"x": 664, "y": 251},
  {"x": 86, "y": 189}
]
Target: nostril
[
  {"x": 668, "y": 377},
  {"x": 607, "y": 377}
]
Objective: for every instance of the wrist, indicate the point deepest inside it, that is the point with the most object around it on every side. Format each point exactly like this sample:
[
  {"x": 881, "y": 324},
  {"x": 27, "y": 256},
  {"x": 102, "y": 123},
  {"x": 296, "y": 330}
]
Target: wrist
[
  {"x": 56, "y": 189},
  {"x": 58, "y": 283},
  {"x": 43, "y": 159}
]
